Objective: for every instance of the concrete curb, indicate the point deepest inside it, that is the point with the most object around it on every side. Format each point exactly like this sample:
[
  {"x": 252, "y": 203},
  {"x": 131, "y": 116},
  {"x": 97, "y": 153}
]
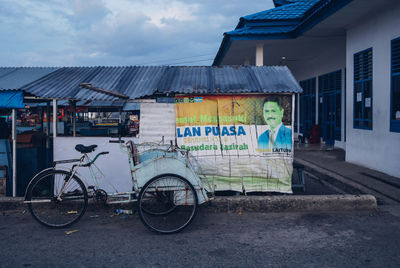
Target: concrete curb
[
  {"x": 293, "y": 203},
  {"x": 286, "y": 203},
  {"x": 8, "y": 203}
]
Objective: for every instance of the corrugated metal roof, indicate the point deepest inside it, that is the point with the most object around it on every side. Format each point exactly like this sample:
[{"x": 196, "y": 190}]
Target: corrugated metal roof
[
  {"x": 15, "y": 78},
  {"x": 138, "y": 82},
  {"x": 62, "y": 83}
]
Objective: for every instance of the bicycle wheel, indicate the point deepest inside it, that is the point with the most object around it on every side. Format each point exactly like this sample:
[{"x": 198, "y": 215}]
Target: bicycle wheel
[
  {"x": 167, "y": 204},
  {"x": 47, "y": 208}
]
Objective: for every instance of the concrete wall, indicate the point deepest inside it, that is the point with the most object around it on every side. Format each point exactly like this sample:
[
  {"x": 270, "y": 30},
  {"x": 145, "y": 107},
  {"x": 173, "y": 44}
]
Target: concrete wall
[
  {"x": 377, "y": 148},
  {"x": 114, "y": 166}
]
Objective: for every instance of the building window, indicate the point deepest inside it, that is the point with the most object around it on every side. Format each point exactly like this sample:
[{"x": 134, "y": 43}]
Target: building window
[
  {"x": 363, "y": 89},
  {"x": 395, "y": 91}
]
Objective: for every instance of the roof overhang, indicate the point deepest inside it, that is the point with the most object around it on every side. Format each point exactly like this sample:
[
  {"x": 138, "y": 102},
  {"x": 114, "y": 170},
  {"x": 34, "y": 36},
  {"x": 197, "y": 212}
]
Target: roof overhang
[
  {"x": 330, "y": 22},
  {"x": 11, "y": 99}
]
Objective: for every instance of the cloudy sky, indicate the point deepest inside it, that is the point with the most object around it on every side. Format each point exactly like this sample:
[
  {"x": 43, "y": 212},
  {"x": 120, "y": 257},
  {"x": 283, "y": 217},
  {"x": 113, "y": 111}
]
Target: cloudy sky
[{"x": 117, "y": 32}]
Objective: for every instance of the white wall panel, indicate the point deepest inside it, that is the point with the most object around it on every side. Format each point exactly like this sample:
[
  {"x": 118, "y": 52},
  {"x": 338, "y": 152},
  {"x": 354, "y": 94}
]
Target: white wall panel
[
  {"x": 377, "y": 148},
  {"x": 157, "y": 120}
]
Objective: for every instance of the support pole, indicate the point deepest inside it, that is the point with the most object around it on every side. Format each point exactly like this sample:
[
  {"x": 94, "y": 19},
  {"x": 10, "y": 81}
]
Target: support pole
[
  {"x": 120, "y": 124},
  {"x": 41, "y": 119},
  {"x": 317, "y": 98},
  {"x": 298, "y": 113},
  {"x": 260, "y": 55},
  {"x": 292, "y": 116},
  {"x": 54, "y": 119},
  {"x": 74, "y": 118},
  {"x": 48, "y": 125},
  {"x": 14, "y": 148}
]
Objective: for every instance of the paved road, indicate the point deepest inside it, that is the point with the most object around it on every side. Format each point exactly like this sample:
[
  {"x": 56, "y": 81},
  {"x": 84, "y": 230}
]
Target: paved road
[{"x": 351, "y": 239}]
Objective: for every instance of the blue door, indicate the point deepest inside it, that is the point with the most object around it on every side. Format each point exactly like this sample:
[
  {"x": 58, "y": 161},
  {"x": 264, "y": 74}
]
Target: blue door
[
  {"x": 330, "y": 88},
  {"x": 307, "y": 114},
  {"x": 307, "y": 106}
]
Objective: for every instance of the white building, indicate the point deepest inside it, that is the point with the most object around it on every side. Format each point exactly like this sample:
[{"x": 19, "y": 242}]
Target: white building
[{"x": 346, "y": 56}]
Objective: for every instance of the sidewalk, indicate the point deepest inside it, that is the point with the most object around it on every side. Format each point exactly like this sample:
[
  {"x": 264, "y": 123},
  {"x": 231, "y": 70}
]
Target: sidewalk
[{"x": 329, "y": 165}]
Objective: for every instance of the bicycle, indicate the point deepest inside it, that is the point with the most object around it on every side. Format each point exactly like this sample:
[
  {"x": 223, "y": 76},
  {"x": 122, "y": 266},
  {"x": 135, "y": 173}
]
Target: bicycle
[{"x": 166, "y": 188}]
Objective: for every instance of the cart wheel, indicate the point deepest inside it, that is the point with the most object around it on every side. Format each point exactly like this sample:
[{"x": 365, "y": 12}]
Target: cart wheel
[
  {"x": 44, "y": 206},
  {"x": 167, "y": 204}
]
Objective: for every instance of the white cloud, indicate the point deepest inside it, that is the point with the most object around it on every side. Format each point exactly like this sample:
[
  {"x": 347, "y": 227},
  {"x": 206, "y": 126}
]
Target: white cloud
[
  {"x": 156, "y": 10},
  {"x": 117, "y": 32}
]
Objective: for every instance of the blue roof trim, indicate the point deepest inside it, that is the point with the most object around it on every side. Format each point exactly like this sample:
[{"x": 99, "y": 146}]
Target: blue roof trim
[
  {"x": 301, "y": 16},
  {"x": 262, "y": 31}
]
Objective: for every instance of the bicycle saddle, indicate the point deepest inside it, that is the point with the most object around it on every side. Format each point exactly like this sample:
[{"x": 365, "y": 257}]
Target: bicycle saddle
[{"x": 85, "y": 149}]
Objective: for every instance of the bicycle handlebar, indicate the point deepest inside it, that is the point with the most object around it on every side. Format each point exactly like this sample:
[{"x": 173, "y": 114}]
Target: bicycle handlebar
[{"x": 94, "y": 159}]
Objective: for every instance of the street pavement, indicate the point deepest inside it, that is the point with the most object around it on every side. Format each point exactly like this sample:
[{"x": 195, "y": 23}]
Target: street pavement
[
  {"x": 102, "y": 239},
  {"x": 368, "y": 238}
]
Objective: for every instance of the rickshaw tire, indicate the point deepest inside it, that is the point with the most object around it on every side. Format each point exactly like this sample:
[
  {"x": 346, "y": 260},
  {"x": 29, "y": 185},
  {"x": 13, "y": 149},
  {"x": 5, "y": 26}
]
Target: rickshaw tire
[{"x": 143, "y": 212}]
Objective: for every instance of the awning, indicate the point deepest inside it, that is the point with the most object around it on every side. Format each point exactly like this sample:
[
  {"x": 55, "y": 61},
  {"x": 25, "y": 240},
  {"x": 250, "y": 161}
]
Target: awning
[
  {"x": 131, "y": 106},
  {"x": 11, "y": 99}
]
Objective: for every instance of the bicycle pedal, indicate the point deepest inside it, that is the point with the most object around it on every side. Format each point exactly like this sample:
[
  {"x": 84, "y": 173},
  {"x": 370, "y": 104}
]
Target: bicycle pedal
[{"x": 91, "y": 187}]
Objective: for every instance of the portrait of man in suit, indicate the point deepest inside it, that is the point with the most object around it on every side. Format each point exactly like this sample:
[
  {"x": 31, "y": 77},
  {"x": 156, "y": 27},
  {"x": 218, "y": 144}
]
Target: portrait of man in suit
[{"x": 277, "y": 137}]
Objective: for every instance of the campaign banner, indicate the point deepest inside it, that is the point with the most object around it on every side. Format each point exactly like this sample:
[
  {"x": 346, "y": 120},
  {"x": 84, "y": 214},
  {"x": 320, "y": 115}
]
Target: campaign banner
[{"x": 240, "y": 142}]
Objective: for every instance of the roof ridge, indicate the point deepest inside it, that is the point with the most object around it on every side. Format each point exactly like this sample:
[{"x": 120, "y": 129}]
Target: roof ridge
[
  {"x": 305, "y": 5},
  {"x": 294, "y": 11}
]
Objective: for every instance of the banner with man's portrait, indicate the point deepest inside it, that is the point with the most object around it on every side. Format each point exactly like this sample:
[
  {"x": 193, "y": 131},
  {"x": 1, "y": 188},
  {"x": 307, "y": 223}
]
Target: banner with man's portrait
[{"x": 240, "y": 142}]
